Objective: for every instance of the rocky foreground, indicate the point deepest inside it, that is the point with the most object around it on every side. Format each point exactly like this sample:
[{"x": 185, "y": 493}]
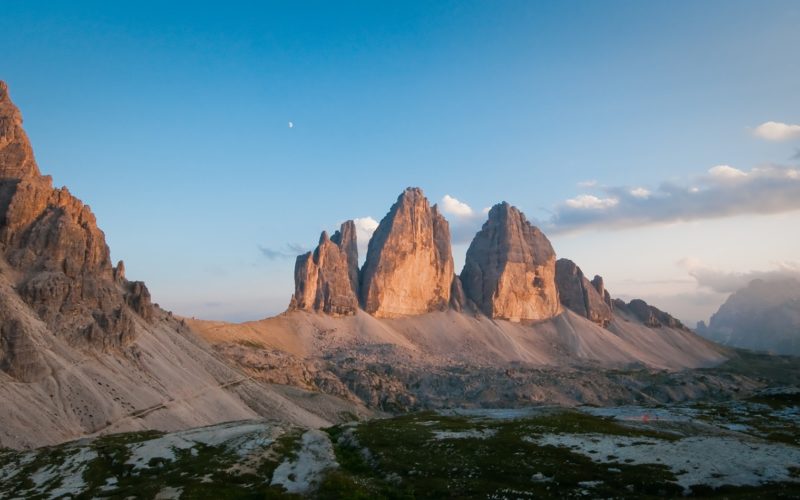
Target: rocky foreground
[{"x": 744, "y": 448}]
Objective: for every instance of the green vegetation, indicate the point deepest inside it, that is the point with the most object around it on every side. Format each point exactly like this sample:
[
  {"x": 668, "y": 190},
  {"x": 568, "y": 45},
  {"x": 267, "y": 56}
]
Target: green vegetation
[
  {"x": 405, "y": 459},
  {"x": 420, "y": 455}
]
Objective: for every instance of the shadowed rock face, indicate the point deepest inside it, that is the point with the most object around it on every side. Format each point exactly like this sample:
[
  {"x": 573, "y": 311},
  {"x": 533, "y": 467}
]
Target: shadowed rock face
[
  {"x": 510, "y": 268},
  {"x": 57, "y": 260},
  {"x": 409, "y": 265},
  {"x": 327, "y": 279},
  {"x": 582, "y": 296}
]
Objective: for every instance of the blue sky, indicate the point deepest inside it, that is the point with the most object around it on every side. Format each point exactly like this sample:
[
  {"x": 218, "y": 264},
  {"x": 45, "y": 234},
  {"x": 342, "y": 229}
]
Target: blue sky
[{"x": 171, "y": 122}]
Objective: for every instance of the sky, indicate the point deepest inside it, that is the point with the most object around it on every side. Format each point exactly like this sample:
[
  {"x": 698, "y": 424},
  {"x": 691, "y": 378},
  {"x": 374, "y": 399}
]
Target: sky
[{"x": 656, "y": 144}]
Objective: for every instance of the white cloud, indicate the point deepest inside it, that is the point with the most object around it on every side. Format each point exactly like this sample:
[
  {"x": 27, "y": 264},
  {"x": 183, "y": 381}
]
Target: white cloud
[
  {"x": 453, "y": 206},
  {"x": 726, "y": 172},
  {"x": 591, "y": 202},
  {"x": 777, "y": 131},
  {"x": 365, "y": 226},
  {"x": 723, "y": 191},
  {"x": 587, "y": 184}
]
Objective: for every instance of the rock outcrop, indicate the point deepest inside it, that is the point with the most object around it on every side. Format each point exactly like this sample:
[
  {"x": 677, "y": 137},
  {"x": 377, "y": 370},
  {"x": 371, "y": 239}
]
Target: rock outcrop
[
  {"x": 649, "y": 315},
  {"x": 326, "y": 279},
  {"x": 587, "y": 298},
  {"x": 599, "y": 284},
  {"x": 409, "y": 265},
  {"x": 56, "y": 258},
  {"x": 510, "y": 268}
]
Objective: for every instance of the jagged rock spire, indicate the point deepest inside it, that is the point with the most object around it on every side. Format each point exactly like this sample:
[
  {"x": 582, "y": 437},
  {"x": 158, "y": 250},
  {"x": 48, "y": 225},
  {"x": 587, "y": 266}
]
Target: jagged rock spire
[
  {"x": 409, "y": 265},
  {"x": 326, "y": 279}
]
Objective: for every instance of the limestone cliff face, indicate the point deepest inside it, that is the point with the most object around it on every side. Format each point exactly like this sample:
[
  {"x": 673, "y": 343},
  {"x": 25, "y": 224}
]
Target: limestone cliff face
[
  {"x": 584, "y": 297},
  {"x": 326, "y": 279},
  {"x": 56, "y": 258},
  {"x": 409, "y": 265},
  {"x": 510, "y": 268}
]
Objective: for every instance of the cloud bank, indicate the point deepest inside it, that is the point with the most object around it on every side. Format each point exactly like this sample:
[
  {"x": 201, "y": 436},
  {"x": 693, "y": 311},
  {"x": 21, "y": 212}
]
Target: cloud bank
[
  {"x": 729, "y": 282},
  {"x": 724, "y": 191}
]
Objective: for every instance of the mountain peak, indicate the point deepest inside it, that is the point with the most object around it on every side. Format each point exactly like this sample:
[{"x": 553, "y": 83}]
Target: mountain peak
[
  {"x": 409, "y": 265},
  {"x": 509, "y": 271},
  {"x": 16, "y": 155}
]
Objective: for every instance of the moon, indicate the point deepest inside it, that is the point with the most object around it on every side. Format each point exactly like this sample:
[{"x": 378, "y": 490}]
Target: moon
[{"x": 291, "y": 124}]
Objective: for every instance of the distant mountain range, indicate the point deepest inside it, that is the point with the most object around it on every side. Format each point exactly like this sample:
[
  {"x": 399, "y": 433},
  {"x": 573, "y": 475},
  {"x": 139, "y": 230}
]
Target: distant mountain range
[{"x": 764, "y": 316}]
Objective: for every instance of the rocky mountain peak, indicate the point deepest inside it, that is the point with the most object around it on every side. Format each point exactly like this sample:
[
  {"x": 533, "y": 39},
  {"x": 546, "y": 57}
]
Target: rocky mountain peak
[
  {"x": 409, "y": 265},
  {"x": 509, "y": 271},
  {"x": 326, "y": 279},
  {"x": 763, "y": 315},
  {"x": 62, "y": 270},
  {"x": 16, "y": 155}
]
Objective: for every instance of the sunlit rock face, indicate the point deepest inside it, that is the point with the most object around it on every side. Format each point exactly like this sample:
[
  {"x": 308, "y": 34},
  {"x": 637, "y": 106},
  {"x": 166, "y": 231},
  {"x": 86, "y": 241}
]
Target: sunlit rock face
[
  {"x": 586, "y": 298},
  {"x": 326, "y": 280},
  {"x": 16, "y": 154},
  {"x": 409, "y": 265},
  {"x": 510, "y": 267},
  {"x": 55, "y": 261}
]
